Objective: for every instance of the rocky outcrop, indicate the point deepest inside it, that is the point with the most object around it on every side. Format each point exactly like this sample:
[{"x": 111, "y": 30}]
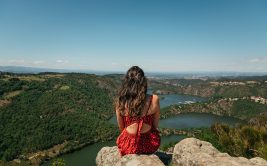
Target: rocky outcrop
[
  {"x": 188, "y": 152},
  {"x": 110, "y": 156},
  {"x": 192, "y": 151}
]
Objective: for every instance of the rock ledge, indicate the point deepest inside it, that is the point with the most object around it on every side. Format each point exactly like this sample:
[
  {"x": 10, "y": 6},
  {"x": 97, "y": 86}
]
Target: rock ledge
[{"x": 188, "y": 152}]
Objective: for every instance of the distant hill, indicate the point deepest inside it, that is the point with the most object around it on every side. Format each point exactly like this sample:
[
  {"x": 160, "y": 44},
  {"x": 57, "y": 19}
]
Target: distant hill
[
  {"x": 36, "y": 70},
  {"x": 165, "y": 75},
  {"x": 21, "y": 69}
]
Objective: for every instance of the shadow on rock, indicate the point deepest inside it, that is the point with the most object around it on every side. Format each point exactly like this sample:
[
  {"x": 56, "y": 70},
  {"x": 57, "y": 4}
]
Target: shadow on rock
[{"x": 164, "y": 157}]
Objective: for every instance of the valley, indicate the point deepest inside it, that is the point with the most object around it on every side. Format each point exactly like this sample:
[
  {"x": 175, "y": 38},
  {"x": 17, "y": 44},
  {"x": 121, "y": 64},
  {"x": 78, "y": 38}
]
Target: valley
[{"x": 46, "y": 115}]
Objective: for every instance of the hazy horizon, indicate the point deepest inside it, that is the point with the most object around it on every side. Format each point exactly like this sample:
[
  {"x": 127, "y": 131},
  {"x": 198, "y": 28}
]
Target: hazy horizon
[
  {"x": 159, "y": 36},
  {"x": 36, "y": 70}
]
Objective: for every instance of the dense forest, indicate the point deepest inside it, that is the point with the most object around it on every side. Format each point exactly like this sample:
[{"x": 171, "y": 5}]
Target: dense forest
[{"x": 39, "y": 111}]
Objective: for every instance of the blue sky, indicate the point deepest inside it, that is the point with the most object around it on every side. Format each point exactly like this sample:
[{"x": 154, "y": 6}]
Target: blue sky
[{"x": 159, "y": 36}]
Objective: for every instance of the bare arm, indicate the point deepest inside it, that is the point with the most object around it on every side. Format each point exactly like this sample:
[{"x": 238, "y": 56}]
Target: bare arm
[
  {"x": 119, "y": 120},
  {"x": 157, "y": 111}
]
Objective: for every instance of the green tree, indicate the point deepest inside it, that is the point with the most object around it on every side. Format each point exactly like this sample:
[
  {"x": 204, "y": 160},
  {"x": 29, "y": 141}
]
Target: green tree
[{"x": 59, "y": 162}]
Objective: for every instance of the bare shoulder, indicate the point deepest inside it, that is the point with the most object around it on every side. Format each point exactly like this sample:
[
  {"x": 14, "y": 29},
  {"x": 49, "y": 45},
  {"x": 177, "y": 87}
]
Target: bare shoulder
[
  {"x": 154, "y": 103},
  {"x": 155, "y": 98}
]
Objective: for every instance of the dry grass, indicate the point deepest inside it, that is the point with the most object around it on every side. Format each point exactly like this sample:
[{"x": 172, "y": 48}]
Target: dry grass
[
  {"x": 5, "y": 79},
  {"x": 51, "y": 152},
  {"x": 26, "y": 78},
  {"x": 53, "y": 75},
  {"x": 9, "y": 95},
  {"x": 64, "y": 87},
  {"x": 4, "y": 102},
  {"x": 31, "y": 78}
]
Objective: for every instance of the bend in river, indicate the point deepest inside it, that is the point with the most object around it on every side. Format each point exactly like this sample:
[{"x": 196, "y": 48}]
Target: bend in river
[{"x": 87, "y": 155}]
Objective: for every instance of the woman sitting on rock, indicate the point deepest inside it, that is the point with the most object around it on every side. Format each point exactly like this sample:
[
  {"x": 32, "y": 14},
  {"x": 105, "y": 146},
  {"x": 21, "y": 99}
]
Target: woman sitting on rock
[{"x": 137, "y": 115}]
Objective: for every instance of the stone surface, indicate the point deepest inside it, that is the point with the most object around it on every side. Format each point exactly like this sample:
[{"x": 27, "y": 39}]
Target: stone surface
[
  {"x": 194, "y": 152},
  {"x": 109, "y": 156},
  {"x": 188, "y": 152}
]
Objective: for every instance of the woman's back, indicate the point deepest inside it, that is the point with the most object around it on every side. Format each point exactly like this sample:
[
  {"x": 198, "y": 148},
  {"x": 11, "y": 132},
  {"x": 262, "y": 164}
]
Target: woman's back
[
  {"x": 137, "y": 115},
  {"x": 139, "y": 135},
  {"x": 147, "y": 116}
]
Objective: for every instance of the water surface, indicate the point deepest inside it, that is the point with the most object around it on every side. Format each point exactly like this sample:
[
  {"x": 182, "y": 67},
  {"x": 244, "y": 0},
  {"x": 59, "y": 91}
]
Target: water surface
[
  {"x": 197, "y": 120},
  {"x": 87, "y": 155}
]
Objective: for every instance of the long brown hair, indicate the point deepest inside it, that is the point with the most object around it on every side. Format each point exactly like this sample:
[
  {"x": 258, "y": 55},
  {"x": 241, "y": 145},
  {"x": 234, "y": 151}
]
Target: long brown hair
[{"x": 132, "y": 93}]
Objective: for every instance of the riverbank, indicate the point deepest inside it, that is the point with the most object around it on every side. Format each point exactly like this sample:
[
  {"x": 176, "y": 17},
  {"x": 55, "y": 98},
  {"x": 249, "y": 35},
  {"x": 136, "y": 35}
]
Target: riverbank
[
  {"x": 168, "y": 137},
  {"x": 40, "y": 157}
]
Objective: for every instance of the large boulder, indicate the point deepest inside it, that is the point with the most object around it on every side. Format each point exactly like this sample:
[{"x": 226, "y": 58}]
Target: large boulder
[
  {"x": 194, "y": 152},
  {"x": 109, "y": 156},
  {"x": 188, "y": 152}
]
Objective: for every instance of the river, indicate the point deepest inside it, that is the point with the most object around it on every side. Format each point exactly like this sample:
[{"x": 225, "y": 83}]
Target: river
[{"x": 86, "y": 156}]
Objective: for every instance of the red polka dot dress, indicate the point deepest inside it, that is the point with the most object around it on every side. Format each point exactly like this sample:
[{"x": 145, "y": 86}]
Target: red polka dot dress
[{"x": 139, "y": 143}]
